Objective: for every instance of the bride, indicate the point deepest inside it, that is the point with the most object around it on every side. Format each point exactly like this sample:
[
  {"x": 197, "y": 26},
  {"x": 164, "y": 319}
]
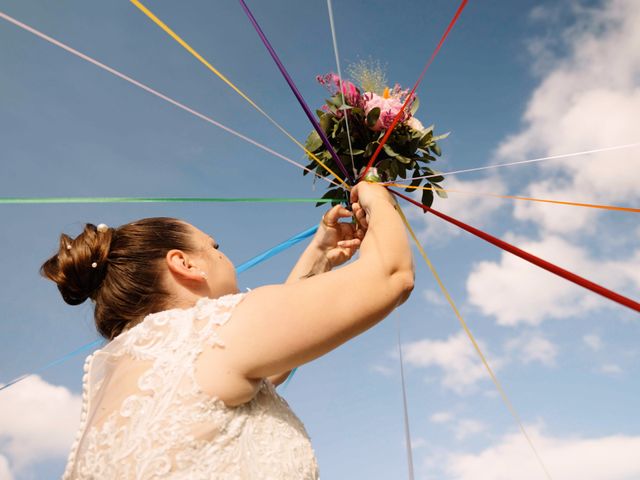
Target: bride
[{"x": 185, "y": 389}]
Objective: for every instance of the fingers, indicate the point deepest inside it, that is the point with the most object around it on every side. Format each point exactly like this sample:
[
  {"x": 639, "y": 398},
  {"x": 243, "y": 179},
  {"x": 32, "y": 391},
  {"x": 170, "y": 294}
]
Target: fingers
[
  {"x": 352, "y": 243},
  {"x": 361, "y": 215},
  {"x": 332, "y": 217}
]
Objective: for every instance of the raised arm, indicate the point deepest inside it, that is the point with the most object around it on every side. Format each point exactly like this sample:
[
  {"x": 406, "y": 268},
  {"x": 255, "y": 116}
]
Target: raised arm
[
  {"x": 279, "y": 327},
  {"x": 333, "y": 244}
]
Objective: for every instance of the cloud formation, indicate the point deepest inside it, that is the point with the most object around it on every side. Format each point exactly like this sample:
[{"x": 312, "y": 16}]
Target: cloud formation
[
  {"x": 38, "y": 421},
  {"x": 467, "y": 207},
  {"x": 516, "y": 292},
  {"x": 462, "y": 370},
  {"x": 602, "y": 458},
  {"x": 588, "y": 98},
  {"x": 455, "y": 357}
]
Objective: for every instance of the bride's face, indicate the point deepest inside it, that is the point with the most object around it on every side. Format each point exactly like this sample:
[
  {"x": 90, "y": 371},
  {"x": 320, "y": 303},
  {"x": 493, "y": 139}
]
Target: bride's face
[{"x": 220, "y": 272}]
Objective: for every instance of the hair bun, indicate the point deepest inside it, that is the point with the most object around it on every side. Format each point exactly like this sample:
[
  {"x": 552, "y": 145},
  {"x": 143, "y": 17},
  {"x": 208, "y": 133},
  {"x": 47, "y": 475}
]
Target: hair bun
[{"x": 80, "y": 265}]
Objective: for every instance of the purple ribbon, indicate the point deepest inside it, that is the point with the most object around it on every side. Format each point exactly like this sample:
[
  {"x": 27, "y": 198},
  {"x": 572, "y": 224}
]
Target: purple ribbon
[{"x": 295, "y": 91}]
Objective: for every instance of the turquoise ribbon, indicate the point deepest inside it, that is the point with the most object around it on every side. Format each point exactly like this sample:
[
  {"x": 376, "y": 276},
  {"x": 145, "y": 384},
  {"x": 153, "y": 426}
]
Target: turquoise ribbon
[{"x": 252, "y": 262}]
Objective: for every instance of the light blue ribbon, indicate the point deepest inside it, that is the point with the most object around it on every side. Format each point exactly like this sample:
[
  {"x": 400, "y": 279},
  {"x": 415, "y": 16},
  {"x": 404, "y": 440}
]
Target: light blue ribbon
[{"x": 240, "y": 269}]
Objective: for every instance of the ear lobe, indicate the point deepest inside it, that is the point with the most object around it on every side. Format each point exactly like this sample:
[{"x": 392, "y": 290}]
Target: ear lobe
[{"x": 180, "y": 266}]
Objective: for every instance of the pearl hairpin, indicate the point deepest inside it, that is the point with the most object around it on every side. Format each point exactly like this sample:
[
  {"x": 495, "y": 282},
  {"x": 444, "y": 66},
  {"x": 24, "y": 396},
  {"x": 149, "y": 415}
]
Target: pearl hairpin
[{"x": 103, "y": 227}]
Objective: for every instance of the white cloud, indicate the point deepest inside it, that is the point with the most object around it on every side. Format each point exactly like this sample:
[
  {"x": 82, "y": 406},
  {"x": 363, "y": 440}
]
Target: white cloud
[
  {"x": 38, "y": 421},
  {"x": 532, "y": 347},
  {"x": 515, "y": 291},
  {"x": 383, "y": 370},
  {"x": 417, "y": 443},
  {"x": 593, "y": 341},
  {"x": 605, "y": 458},
  {"x": 610, "y": 369},
  {"x": 467, "y": 207},
  {"x": 455, "y": 356},
  {"x": 589, "y": 98},
  {"x": 434, "y": 297},
  {"x": 5, "y": 471},
  {"x": 468, "y": 427},
  {"x": 441, "y": 417}
]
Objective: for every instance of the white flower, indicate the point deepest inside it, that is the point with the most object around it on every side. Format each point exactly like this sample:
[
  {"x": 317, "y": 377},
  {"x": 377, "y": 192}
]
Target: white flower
[{"x": 416, "y": 124}]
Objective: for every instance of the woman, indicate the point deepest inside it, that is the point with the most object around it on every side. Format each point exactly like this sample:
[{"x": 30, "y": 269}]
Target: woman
[{"x": 185, "y": 387}]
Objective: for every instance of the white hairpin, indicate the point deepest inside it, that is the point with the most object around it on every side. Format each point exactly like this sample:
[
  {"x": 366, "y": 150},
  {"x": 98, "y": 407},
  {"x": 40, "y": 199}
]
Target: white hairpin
[
  {"x": 68, "y": 246},
  {"x": 94, "y": 265},
  {"x": 103, "y": 227}
]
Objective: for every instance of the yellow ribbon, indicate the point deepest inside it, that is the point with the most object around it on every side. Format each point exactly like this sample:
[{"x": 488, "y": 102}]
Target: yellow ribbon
[
  {"x": 514, "y": 197},
  {"x": 497, "y": 384},
  {"x": 222, "y": 77}
]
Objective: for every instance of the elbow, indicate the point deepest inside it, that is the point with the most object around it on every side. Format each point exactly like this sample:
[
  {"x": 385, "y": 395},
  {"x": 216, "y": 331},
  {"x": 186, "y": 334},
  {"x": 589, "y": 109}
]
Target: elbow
[{"x": 404, "y": 283}]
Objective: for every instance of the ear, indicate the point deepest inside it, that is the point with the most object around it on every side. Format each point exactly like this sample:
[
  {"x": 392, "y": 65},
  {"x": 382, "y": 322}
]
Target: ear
[{"x": 180, "y": 265}]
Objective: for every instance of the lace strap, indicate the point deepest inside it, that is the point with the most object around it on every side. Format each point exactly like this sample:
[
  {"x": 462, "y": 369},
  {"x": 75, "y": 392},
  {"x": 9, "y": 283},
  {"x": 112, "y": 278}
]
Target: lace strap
[{"x": 214, "y": 312}]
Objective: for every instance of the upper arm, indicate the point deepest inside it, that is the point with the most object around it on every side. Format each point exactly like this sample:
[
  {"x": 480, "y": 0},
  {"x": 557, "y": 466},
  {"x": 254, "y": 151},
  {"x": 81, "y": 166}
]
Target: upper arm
[{"x": 279, "y": 327}]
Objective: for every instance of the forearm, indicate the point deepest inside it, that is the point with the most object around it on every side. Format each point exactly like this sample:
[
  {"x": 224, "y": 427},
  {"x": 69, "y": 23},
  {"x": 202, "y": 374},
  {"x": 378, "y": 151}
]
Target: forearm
[
  {"x": 313, "y": 261},
  {"x": 386, "y": 242}
]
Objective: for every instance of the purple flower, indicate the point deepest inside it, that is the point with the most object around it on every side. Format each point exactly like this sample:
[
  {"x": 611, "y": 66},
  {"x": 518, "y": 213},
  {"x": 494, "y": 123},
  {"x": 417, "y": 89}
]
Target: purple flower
[{"x": 332, "y": 82}]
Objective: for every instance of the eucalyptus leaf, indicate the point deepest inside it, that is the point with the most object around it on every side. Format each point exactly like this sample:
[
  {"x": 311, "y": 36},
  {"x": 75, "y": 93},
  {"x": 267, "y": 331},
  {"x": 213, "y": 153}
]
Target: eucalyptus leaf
[
  {"x": 441, "y": 193},
  {"x": 314, "y": 142},
  {"x": 427, "y": 197},
  {"x": 326, "y": 122},
  {"x": 372, "y": 117},
  {"x": 441, "y": 137},
  {"x": 414, "y": 106},
  {"x": 389, "y": 151}
]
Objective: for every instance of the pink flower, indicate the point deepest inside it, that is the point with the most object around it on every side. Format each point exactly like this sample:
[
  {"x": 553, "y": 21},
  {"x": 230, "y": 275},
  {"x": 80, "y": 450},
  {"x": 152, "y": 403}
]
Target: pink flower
[
  {"x": 331, "y": 82},
  {"x": 389, "y": 108}
]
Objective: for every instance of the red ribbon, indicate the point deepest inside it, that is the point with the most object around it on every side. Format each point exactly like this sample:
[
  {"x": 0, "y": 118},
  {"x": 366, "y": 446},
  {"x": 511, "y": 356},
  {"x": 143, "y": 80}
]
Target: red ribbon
[
  {"x": 567, "y": 275},
  {"x": 413, "y": 90}
]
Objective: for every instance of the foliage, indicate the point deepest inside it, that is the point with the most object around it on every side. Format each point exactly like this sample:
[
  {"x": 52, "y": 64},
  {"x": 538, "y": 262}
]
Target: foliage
[{"x": 408, "y": 153}]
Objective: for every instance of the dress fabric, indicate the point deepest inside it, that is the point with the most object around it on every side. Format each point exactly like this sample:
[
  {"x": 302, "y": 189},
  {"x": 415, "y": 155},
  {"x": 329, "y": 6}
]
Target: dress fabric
[{"x": 145, "y": 415}]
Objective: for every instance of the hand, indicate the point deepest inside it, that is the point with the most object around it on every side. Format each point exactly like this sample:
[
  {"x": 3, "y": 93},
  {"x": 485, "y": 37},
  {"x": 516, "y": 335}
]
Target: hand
[
  {"x": 368, "y": 194},
  {"x": 340, "y": 241}
]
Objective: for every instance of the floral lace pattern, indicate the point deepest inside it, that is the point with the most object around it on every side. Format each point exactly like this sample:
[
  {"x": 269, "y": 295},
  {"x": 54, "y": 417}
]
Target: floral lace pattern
[{"x": 144, "y": 415}]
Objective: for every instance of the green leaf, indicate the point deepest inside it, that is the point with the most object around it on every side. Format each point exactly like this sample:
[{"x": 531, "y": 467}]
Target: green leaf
[
  {"x": 414, "y": 106},
  {"x": 389, "y": 151},
  {"x": 437, "y": 179},
  {"x": 435, "y": 148},
  {"x": 425, "y": 140},
  {"x": 441, "y": 137},
  {"x": 326, "y": 122},
  {"x": 427, "y": 197},
  {"x": 332, "y": 193},
  {"x": 314, "y": 142},
  {"x": 414, "y": 183},
  {"x": 372, "y": 117},
  {"x": 440, "y": 193},
  {"x": 403, "y": 159}
]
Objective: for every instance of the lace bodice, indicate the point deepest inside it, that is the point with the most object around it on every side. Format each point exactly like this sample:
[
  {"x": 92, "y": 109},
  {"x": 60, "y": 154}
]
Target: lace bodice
[{"x": 145, "y": 415}]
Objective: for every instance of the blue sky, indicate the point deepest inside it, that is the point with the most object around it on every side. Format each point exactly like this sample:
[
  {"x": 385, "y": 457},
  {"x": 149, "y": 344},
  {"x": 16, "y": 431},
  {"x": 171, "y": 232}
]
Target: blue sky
[{"x": 515, "y": 80}]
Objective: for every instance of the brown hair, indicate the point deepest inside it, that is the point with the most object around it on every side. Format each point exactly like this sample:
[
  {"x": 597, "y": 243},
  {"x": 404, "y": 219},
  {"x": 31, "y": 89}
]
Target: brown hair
[{"x": 118, "y": 268}]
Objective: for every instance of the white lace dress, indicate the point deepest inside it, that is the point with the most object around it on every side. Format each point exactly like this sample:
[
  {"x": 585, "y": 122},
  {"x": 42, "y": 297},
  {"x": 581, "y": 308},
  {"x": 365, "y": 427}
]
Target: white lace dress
[{"x": 145, "y": 415}]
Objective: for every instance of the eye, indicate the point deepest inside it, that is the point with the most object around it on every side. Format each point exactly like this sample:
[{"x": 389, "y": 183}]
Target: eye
[{"x": 216, "y": 246}]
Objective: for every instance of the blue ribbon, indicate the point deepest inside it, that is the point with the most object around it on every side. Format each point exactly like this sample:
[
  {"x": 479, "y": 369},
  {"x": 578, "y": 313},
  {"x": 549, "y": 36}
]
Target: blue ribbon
[
  {"x": 241, "y": 268},
  {"x": 276, "y": 250}
]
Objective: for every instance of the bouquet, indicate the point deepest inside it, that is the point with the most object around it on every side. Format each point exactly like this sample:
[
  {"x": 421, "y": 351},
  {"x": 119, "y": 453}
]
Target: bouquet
[{"x": 355, "y": 118}]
